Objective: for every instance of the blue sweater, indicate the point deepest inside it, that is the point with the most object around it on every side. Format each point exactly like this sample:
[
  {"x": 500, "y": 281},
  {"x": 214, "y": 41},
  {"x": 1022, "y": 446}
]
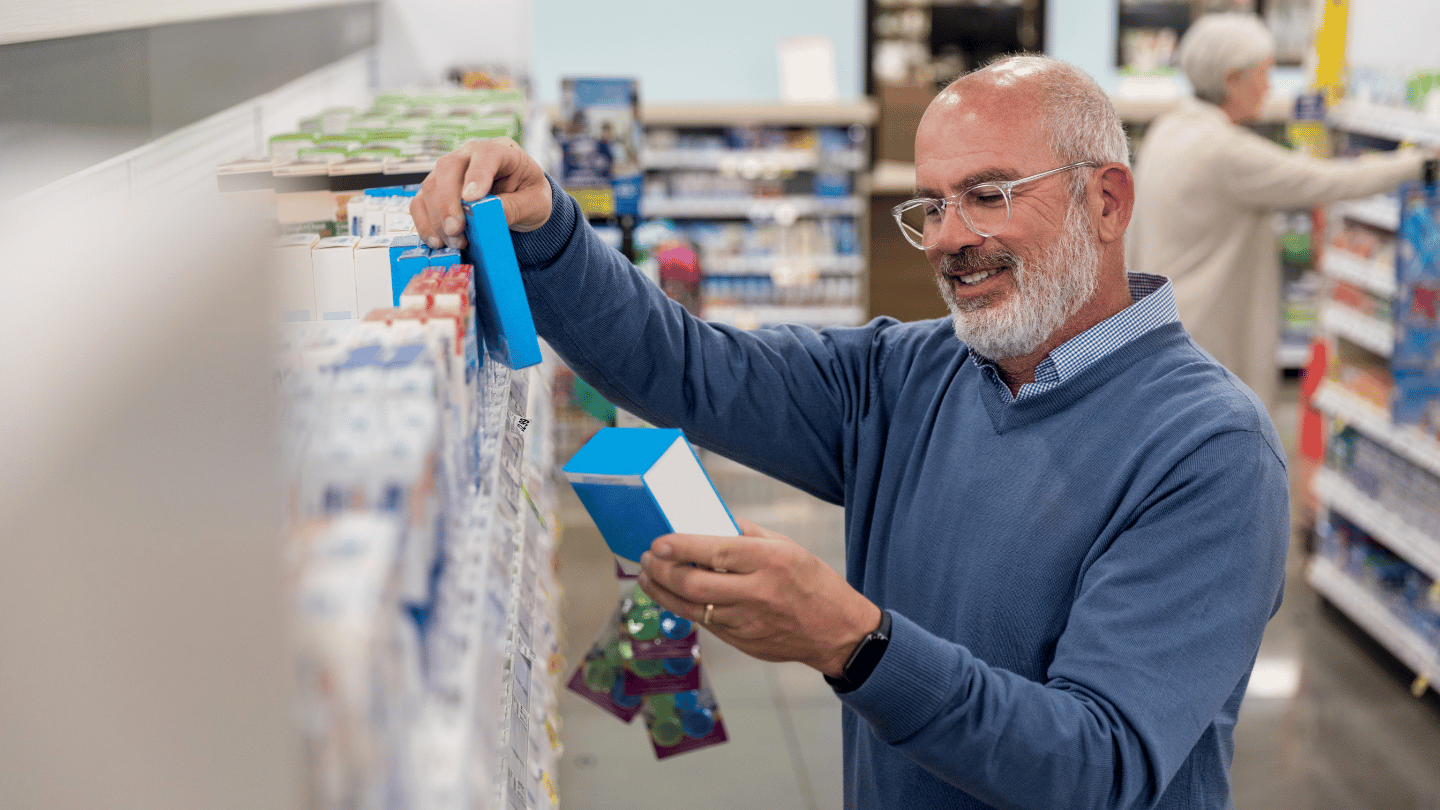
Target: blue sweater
[{"x": 1079, "y": 580}]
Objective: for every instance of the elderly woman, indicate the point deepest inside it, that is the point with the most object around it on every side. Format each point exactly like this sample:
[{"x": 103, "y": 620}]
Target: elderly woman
[{"x": 1206, "y": 188}]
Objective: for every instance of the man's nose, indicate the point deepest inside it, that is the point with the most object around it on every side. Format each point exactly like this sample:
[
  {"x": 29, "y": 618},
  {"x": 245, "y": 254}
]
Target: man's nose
[{"x": 954, "y": 233}]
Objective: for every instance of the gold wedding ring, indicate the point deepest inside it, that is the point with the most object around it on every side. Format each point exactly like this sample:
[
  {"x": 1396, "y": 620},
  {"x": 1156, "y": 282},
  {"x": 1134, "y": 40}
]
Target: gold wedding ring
[{"x": 709, "y": 609}]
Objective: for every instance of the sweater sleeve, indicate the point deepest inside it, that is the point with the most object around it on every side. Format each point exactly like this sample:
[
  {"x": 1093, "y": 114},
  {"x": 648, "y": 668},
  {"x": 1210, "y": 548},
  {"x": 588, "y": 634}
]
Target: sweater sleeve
[
  {"x": 1260, "y": 173},
  {"x": 775, "y": 399},
  {"x": 1159, "y": 643}
]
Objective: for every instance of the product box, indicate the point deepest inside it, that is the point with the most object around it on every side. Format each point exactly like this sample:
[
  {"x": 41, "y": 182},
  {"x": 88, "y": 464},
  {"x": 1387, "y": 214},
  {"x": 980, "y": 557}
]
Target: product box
[
  {"x": 372, "y": 274},
  {"x": 640, "y": 483},
  {"x": 448, "y": 257},
  {"x": 1415, "y": 360},
  {"x": 406, "y": 266},
  {"x": 333, "y": 264},
  {"x": 292, "y": 281},
  {"x": 500, "y": 301}
]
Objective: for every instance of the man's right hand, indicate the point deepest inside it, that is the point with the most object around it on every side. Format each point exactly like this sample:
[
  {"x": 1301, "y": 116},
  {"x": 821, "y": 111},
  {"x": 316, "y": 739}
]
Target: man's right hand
[{"x": 474, "y": 170}]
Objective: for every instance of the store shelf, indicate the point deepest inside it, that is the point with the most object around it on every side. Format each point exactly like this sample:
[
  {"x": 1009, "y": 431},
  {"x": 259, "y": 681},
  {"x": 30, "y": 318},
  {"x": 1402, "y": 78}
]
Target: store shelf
[
  {"x": 764, "y": 265},
  {"x": 1381, "y": 211},
  {"x": 751, "y": 162},
  {"x": 1393, "y": 123},
  {"x": 1420, "y": 549},
  {"x": 1292, "y": 355},
  {"x": 1366, "y": 610},
  {"x": 788, "y": 207},
  {"x": 1358, "y": 328},
  {"x": 1365, "y": 273},
  {"x": 758, "y": 113},
  {"x": 1405, "y": 441},
  {"x": 808, "y": 316},
  {"x": 250, "y": 174}
]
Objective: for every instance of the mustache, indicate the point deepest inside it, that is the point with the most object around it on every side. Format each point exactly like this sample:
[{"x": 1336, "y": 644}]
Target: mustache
[{"x": 970, "y": 261}]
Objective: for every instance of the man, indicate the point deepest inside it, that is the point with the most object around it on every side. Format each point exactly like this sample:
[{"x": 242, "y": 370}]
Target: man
[{"x": 1075, "y": 522}]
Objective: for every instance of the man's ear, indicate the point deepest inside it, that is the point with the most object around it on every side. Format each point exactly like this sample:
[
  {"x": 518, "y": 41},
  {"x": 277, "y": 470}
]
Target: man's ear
[{"x": 1117, "y": 201}]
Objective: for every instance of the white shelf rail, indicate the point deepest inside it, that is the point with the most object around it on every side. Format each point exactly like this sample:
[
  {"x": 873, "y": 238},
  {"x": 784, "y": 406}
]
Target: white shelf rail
[
  {"x": 1420, "y": 549},
  {"x": 834, "y": 265},
  {"x": 1393, "y": 123},
  {"x": 751, "y": 161},
  {"x": 759, "y": 209},
  {"x": 1381, "y": 211},
  {"x": 1406, "y": 441},
  {"x": 1368, "y": 611},
  {"x": 761, "y": 315},
  {"x": 1358, "y": 328},
  {"x": 1367, "y": 274}
]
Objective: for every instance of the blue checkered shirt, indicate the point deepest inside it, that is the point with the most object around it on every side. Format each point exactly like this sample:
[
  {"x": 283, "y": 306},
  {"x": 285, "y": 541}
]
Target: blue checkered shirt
[{"x": 1154, "y": 307}]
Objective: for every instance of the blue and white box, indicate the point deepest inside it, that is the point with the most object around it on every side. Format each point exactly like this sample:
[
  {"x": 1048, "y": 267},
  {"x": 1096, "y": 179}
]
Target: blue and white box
[
  {"x": 640, "y": 483},
  {"x": 500, "y": 302}
]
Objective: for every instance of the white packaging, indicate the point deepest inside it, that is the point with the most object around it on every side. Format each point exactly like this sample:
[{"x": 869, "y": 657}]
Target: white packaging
[
  {"x": 372, "y": 274},
  {"x": 355, "y": 213},
  {"x": 396, "y": 216},
  {"x": 333, "y": 264},
  {"x": 372, "y": 218},
  {"x": 292, "y": 283},
  {"x": 358, "y": 679}
]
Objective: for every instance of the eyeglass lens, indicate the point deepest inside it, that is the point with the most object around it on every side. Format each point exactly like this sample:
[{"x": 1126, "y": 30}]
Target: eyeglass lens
[{"x": 985, "y": 209}]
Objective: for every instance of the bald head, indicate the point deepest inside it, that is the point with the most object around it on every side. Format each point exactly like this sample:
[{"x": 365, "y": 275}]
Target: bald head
[{"x": 1049, "y": 99}]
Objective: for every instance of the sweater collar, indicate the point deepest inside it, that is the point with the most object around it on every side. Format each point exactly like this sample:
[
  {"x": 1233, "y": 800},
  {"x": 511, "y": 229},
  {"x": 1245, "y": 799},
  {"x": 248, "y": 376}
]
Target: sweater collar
[
  {"x": 1153, "y": 304},
  {"x": 1110, "y": 346}
]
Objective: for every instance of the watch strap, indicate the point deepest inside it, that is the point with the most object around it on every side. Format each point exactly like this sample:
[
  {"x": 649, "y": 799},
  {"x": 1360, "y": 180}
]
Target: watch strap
[{"x": 864, "y": 659}]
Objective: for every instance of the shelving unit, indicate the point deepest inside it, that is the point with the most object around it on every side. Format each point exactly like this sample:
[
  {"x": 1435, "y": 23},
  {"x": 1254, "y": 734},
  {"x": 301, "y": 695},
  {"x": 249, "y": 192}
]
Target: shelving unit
[
  {"x": 770, "y": 196},
  {"x": 1377, "y": 491}
]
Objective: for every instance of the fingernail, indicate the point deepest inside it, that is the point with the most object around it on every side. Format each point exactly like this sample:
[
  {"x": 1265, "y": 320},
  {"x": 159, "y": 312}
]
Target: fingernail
[
  {"x": 454, "y": 242},
  {"x": 471, "y": 191},
  {"x": 663, "y": 550},
  {"x": 434, "y": 243},
  {"x": 452, "y": 225}
]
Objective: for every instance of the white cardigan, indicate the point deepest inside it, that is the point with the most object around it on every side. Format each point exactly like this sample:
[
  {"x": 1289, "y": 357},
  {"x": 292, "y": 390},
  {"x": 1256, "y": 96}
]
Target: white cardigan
[{"x": 1206, "y": 190}]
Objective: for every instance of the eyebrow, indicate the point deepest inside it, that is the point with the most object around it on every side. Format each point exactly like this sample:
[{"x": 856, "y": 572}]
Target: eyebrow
[{"x": 992, "y": 175}]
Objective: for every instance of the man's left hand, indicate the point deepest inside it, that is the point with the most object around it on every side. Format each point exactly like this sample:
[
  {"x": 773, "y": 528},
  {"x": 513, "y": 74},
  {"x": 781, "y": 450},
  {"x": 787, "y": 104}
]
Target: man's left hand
[{"x": 772, "y": 599}]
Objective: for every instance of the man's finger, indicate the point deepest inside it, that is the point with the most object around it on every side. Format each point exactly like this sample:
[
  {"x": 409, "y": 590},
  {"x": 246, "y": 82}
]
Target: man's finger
[
  {"x": 735, "y": 555},
  {"x": 440, "y": 198}
]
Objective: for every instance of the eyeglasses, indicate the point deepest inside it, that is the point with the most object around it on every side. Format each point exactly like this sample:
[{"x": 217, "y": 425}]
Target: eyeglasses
[{"x": 985, "y": 209}]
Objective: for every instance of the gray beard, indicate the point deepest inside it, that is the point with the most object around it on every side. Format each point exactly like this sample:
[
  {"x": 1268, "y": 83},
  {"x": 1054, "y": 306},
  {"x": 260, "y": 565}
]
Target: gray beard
[{"x": 1048, "y": 292}]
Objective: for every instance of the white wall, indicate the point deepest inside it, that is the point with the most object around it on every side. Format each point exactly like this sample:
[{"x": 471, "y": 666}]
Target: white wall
[
  {"x": 420, "y": 40},
  {"x": 683, "y": 51},
  {"x": 1375, "y": 39}
]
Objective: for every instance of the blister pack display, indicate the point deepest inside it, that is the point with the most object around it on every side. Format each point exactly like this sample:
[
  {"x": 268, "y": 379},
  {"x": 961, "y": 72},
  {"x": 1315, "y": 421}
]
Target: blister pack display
[{"x": 646, "y": 662}]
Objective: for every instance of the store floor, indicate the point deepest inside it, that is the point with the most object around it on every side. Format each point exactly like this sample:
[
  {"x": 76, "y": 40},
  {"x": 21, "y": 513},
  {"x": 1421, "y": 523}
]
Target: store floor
[{"x": 1329, "y": 722}]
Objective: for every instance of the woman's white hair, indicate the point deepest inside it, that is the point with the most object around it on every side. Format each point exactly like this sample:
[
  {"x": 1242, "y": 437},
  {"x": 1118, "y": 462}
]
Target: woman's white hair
[
  {"x": 1216, "y": 45},
  {"x": 1078, "y": 118}
]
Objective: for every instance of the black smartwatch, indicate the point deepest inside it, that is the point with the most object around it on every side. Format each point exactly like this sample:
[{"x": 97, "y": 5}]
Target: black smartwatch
[{"x": 865, "y": 658}]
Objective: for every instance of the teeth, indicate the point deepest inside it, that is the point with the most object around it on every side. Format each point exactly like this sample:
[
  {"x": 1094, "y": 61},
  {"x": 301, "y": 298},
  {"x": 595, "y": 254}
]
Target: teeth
[{"x": 977, "y": 277}]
